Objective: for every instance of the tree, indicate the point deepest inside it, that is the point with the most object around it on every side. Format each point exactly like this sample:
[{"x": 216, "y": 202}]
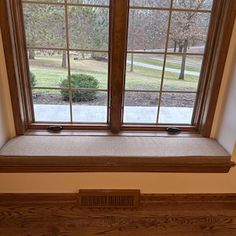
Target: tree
[
  {"x": 45, "y": 27},
  {"x": 188, "y": 27},
  {"x": 64, "y": 61},
  {"x": 89, "y": 28},
  {"x": 31, "y": 54},
  {"x": 147, "y": 30},
  {"x": 32, "y": 27}
]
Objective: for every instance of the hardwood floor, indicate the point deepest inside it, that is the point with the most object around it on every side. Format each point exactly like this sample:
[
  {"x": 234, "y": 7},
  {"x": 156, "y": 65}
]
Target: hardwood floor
[{"x": 163, "y": 215}]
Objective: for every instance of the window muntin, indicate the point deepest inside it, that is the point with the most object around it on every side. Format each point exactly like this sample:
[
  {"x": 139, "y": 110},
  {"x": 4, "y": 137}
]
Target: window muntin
[
  {"x": 195, "y": 5},
  {"x": 82, "y": 2},
  {"x": 150, "y": 3},
  {"x": 171, "y": 71},
  {"x": 150, "y": 36},
  {"x": 66, "y": 39},
  {"x": 88, "y": 27}
]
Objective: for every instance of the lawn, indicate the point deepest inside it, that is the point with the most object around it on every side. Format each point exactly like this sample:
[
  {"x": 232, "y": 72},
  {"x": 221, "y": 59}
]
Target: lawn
[{"x": 49, "y": 73}]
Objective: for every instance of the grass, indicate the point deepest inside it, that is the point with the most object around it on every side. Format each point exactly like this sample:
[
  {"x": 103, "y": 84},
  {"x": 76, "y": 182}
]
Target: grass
[{"x": 49, "y": 73}]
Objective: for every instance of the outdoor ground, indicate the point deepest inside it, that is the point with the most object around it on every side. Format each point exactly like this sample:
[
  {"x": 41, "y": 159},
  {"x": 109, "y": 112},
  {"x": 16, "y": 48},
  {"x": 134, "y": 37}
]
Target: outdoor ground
[{"x": 145, "y": 74}]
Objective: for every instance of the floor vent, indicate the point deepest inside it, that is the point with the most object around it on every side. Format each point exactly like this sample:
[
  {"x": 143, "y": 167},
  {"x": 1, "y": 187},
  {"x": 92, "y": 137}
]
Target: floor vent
[{"x": 109, "y": 198}]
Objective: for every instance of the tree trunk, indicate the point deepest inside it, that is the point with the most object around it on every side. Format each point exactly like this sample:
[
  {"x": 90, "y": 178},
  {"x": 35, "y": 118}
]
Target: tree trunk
[
  {"x": 175, "y": 46},
  {"x": 83, "y": 56},
  {"x": 132, "y": 63},
  {"x": 180, "y": 48},
  {"x": 183, "y": 63},
  {"x": 63, "y": 63},
  {"x": 132, "y": 44},
  {"x": 31, "y": 54}
]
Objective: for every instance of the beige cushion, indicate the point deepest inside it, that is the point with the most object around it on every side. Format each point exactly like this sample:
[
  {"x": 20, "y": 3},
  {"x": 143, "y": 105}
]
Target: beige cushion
[{"x": 112, "y": 146}]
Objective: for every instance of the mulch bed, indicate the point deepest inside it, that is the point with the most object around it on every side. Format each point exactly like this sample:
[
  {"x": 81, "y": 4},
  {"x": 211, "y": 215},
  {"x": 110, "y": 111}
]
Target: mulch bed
[{"x": 131, "y": 99}]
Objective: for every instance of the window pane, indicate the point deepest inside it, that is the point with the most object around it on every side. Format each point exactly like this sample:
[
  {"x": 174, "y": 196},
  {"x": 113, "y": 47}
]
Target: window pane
[
  {"x": 150, "y": 3},
  {"x": 147, "y": 30},
  {"x": 188, "y": 32},
  {"x": 88, "y": 27},
  {"x": 44, "y": 25},
  {"x": 182, "y": 73},
  {"x": 89, "y": 106},
  {"x": 144, "y": 71},
  {"x": 193, "y": 4},
  {"x": 49, "y": 106},
  {"x": 176, "y": 108},
  {"x": 92, "y": 66},
  {"x": 48, "y": 67},
  {"x": 92, "y": 2},
  {"x": 140, "y": 107},
  {"x": 147, "y": 37}
]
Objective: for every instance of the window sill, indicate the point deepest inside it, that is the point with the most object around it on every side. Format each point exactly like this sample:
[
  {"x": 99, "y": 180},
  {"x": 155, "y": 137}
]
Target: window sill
[{"x": 113, "y": 154}]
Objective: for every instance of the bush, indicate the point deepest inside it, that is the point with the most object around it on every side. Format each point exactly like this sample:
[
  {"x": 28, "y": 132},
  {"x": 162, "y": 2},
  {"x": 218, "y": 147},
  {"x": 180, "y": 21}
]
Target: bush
[
  {"x": 80, "y": 81},
  {"x": 33, "y": 80}
]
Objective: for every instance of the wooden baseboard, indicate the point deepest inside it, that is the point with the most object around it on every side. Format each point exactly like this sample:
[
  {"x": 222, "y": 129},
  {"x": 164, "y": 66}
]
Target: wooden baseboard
[
  {"x": 158, "y": 214},
  {"x": 144, "y": 198}
]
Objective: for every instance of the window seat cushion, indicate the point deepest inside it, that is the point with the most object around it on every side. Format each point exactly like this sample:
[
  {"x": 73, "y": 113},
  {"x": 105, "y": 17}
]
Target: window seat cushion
[{"x": 114, "y": 153}]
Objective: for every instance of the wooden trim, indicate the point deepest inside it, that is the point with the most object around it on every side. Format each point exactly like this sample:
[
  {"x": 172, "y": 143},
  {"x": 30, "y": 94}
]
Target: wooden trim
[
  {"x": 146, "y": 127},
  {"x": 16, "y": 164},
  {"x": 219, "y": 39},
  {"x": 119, "y": 22},
  {"x": 55, "y": 198},
  {"x": 65, "y": 3},
  {"x": 40, "y": 126},
  {"x": 70, "y": 49},
  {"x": 21, "y": 50},
  {"x": 107, "y": 132},
  {"x": 78, "y": 127},
  {"x": 9, "y": 38}
]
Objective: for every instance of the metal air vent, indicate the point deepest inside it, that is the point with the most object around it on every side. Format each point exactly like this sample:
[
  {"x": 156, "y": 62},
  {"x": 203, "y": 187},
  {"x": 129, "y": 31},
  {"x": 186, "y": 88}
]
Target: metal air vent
[{"x": 109, "y": 198}]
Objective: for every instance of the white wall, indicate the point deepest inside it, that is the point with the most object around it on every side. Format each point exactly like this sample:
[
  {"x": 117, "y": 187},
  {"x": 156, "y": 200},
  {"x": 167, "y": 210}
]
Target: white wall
[
  {"x": 224, "y": 128},
  {"x": 147, "y": 182},
  {"x": 227, "y": 130}
]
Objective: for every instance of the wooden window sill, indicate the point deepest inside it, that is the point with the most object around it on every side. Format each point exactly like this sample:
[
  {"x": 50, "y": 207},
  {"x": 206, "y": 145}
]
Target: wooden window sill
[{"x": 113, "y": 154}]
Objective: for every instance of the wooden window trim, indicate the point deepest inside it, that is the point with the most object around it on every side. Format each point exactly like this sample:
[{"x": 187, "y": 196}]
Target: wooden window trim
[
  {"x": 118, "y": 42},
  {"x": 215, "y": 59},
  {"x": 16, "y": 61}
]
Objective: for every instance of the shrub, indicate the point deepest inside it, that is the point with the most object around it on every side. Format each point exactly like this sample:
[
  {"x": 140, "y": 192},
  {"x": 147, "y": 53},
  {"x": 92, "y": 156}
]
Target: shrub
[
  {"x": 80, "y": 81},
  {"x": 33, "y": 80}
]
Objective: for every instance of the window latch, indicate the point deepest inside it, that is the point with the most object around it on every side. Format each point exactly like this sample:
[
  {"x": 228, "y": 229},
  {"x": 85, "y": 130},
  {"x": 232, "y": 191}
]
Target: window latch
[
  {"x": 55, "y": 128},
  {"x": 173, "y": 130}
]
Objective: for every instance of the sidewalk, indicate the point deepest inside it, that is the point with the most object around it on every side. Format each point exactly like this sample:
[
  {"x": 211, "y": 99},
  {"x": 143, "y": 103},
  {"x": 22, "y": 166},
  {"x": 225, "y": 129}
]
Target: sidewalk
[{"x": 132, "y": 114}]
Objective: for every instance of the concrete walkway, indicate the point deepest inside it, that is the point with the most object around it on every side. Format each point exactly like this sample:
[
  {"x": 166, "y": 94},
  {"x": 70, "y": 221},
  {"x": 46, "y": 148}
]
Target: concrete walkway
[
  {"x": 132, "y": 114},
  {"x": 160, "y": 68},
  {"x": 178, "y": 62}
]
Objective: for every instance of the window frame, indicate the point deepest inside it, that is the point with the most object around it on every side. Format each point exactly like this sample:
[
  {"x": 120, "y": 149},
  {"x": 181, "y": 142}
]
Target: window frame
[{"x": 219, "y": 35}]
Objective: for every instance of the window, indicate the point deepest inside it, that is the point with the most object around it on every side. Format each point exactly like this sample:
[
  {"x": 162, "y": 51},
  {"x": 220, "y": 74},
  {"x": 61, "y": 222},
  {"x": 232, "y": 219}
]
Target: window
[
  {"x": 118, "y": 65},
  {"x": 166, "y": 44},
  {"x": 67, "y": 47}
]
